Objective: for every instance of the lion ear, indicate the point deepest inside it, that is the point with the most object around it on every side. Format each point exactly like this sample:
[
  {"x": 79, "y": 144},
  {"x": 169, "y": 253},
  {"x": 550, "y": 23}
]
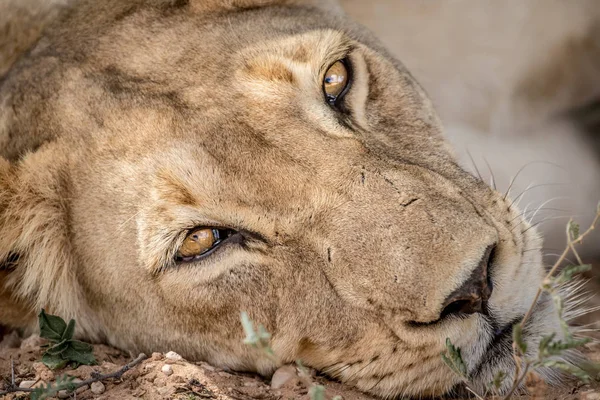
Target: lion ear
[
  {"x": 36, "y": 262},
  {"x": 14, "y": 312}
]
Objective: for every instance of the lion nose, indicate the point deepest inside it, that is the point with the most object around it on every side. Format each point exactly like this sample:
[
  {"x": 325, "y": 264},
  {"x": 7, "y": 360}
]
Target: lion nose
[{"x": 474, "y": 293}]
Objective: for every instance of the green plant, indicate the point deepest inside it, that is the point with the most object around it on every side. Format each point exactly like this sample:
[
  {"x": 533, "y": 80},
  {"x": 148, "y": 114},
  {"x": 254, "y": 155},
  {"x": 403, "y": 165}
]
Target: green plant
[
  {"x": 63, "y": 349},
  {"x": 63, "y": 382}
]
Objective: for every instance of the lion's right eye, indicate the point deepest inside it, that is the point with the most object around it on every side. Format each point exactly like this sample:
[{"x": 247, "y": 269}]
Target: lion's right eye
[
  {"x": 336, "y": 81},
  {"x": 200, "y": 242}
]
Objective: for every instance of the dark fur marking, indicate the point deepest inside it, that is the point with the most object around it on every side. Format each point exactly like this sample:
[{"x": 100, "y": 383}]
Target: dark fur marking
[
  {"x": 126, "y": 13},
  {"x": 10, "y": 262}
]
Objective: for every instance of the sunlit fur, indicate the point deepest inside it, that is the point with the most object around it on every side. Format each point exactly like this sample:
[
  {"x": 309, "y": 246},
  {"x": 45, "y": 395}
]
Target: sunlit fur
[{"x": 131, "y": 122}]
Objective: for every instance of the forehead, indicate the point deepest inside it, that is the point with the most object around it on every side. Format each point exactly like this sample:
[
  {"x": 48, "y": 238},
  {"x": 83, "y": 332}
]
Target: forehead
[
  {"x": 207, "y": 67},
  {"x": 188, "y": 46}
]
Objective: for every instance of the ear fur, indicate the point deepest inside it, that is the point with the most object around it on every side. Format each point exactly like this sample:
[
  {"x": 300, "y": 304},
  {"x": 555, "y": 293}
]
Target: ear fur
[
  {"x": 14, "y": 312},
  {"x": 35, "y": 247}
]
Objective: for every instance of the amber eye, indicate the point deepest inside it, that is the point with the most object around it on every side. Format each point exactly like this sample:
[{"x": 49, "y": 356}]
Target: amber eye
[
  {"x": 201, "y": 241},
  {"x": 336, "y": 81}
]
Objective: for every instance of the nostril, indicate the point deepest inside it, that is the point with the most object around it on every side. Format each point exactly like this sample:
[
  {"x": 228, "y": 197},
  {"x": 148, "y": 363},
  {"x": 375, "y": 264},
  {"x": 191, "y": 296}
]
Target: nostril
[
  {"x": 474, "y": 293},
  {"x": 463, "y": 306}
]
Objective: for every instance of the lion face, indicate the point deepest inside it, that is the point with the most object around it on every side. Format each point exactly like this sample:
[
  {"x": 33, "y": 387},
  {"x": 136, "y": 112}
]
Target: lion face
[{"x": 173, "y": 166}]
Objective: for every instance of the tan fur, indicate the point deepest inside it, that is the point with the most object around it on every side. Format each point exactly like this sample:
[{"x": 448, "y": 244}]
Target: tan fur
[{"x": 130, "y": 123}]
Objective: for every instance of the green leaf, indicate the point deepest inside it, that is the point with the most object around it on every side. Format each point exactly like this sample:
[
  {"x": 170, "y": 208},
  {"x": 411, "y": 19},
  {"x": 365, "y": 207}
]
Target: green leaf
[
  {"x": 453, "y": 359},
  {"x": 58, "y": 348},
  {"x": 79, "y": 352},
  {"x": 573, "y": 229},
  {"x": 498, "y": 380},
  {"x": 317, "y": 392},
  {"x": 518, "y": 338},
  {"x": 569, "y": 368},
  {"x": 545, "y": 342},
  {"x": 556, "y": 348},
  {"x": 54, "y": 361},
  {"x": 251, "y": 336},
  {"x": 52, "y": 327},
  {"x": 258, "y": 340},
  {"x": 570, "y": 271},
  {"x": 50, "y": 390},
  {"x": 69, "y": 331}
]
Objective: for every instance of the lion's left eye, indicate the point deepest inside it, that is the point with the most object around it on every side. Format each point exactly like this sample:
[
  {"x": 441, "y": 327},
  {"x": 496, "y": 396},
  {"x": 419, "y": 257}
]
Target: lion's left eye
[
  {"x": 200, "y": 242},
  {"x": 336, "y": 81}
]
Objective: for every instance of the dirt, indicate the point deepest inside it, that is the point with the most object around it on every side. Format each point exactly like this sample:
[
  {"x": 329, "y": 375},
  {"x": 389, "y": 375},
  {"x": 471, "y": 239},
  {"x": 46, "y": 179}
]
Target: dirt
[
  {"x": 198, "y": 380},
  {"x": 188, "y": 380}
]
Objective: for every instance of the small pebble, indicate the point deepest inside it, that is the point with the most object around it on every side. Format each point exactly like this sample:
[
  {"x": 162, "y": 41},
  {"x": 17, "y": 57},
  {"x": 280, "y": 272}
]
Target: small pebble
[
  {"x": 98, "y": 388},
  {"x": 251, "y": 384},
  {"x": 156, "y": 356},
  {"x": 283, "y": 376},
  {"x": 167, "y": 369},
  {"x": 173, "y": 356},
  {"x": 26, "y": 384},
  {"x": 63, "y": 394}
]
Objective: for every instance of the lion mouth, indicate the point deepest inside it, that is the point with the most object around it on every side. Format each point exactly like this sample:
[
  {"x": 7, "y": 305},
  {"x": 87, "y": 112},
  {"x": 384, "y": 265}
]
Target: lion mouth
[{"x": 499, "y": 347}]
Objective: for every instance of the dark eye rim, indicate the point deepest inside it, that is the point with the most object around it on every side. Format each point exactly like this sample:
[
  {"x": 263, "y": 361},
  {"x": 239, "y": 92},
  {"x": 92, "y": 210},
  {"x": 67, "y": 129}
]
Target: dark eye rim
[
  {"x": 222, "y": 236},
  {"x": 335, "y": 101}
]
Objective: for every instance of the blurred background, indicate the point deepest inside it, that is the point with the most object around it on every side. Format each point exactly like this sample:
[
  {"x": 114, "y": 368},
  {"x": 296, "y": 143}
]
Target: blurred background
[{"x": 517, "y": 86}]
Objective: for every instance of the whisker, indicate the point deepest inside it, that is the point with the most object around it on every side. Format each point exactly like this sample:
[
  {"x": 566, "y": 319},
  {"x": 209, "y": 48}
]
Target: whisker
[
  {"x": 538, "y": 186},
  {"x": 512, "y": 181},
  {"x": 545, "y": 220},
  {"x": 493, "y": 178},
  {"x": 474, "y": 164},
  {"x": 540, "y": 209}
]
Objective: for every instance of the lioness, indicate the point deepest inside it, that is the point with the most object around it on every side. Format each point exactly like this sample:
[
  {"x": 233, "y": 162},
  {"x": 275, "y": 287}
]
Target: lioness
[{"x": 168, "y": 164}]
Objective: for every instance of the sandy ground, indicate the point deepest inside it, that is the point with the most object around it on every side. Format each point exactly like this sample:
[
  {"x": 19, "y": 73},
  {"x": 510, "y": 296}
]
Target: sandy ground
[{"x": 198, "y": 380}]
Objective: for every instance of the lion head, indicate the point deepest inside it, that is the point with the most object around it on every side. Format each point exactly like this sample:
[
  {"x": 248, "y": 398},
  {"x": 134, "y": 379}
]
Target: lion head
[{"x": 171, "y": 164}]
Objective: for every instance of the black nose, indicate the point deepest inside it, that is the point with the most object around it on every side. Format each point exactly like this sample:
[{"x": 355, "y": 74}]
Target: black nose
[{"x": 473, "y": 295}]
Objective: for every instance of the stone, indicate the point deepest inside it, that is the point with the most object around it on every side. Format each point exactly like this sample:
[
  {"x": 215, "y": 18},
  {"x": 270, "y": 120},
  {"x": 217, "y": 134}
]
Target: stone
[
  {"x": 26, "y": 384},
  {"x": 98, "y": 388},
  {"x": 285, "y": 376},
  {"x": 171, "y": 355},
  {"x": 167, "y": 369}
]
